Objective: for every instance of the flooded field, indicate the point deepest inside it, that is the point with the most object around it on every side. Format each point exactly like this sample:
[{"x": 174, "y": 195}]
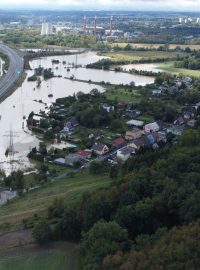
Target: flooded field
[{"x": 22, "y": 102}]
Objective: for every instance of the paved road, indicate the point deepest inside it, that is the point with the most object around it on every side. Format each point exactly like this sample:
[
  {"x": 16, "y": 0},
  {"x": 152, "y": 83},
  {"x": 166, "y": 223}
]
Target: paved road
[{"x": 14, "y": 72}]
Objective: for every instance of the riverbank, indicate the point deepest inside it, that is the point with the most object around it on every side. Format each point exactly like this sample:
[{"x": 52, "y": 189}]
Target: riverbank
[{"x": 18, "y": 84}]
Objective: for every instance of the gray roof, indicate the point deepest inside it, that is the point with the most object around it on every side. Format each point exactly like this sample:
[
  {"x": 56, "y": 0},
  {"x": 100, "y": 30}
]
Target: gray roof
[{"x": 98, "y": 147}]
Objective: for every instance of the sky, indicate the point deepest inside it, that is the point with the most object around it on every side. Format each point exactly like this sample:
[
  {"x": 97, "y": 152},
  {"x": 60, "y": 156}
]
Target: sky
[{"x": 179, "y": 5}]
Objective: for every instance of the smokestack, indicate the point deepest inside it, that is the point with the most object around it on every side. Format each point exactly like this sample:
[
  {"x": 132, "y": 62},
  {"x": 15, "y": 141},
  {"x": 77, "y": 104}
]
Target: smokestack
[
  {"x": 85, "y": 24},
  {"x": 95, "y": 25},
  {"x": 111, "y": 19}
]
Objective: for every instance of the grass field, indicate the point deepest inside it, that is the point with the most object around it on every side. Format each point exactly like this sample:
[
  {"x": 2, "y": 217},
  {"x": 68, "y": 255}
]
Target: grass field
[
  {"x": 169, "y": 67},
  {"x": 37, "y": 201},
  {"x": 56, "y": 256},
  {"x": 135, "y": 56},
  {"x": 122, "y": 95},
  {"x": 156, "y": 46}
]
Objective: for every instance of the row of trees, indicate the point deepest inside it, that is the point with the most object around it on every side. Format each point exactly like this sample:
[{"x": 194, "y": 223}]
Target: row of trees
[
  {"x": 192, "y": 62},
  {"x": 107, "y": 63}
]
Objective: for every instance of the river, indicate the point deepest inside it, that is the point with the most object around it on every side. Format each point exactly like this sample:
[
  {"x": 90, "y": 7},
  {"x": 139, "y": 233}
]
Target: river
[{"x": 21, "y": 102}]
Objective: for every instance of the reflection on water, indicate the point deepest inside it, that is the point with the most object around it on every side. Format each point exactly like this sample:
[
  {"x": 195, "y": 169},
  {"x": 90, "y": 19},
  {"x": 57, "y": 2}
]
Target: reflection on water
[{"x": 21, "y": 103}]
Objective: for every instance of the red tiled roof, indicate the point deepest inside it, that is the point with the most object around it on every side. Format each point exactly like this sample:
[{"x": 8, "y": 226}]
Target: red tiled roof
[
  {"x": 84, "y": 153},
  {"x": 118, "y": 141}
]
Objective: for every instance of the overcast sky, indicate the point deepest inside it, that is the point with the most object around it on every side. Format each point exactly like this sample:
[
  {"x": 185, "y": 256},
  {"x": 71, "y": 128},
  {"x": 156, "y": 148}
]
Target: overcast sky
[{"x": 185, "y": 5}]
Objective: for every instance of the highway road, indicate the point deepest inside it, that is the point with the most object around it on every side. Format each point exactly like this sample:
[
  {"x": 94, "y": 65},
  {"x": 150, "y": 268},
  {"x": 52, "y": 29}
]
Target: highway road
[{"x": 15, "y": 70}]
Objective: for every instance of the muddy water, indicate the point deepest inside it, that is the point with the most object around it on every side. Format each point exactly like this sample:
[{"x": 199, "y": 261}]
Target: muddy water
[{"x": 21, "y": 103}]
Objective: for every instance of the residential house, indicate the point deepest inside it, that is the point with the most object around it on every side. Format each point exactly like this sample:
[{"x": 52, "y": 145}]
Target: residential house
[
  {"x": 139, "y": 143},
  {"x": 162, "y": 136},
  {"x": 97, "y": 135},
  {"x": 107, "y": 107},
  {"x": 156, "y": 92},
  {"x": 134, "y": 134},
  {"x": 36, "y": 119},
  {"x": 121, "y": 104},
  {"x": 85, "y": 154},
  {"x": 71, "y": 159},
  {"x": 188, "y": 115},
  {"x": 179, "y": 121},
  {"x": 187, "y": 81},
  {"x": 176, "y": 130},
  {"x": 68, "y": 127},
  {"x": 119, "y": 142},
  {"x": 74, "y": 122},
  {"x": 152, "y": 127},
  {"x": 133, "y": 114},
  {"x": 135, "y": 123},
  {"x": 60, "y": 161},
  {"x": 152, "y": 138},
  {"x": 99, "y": 148},
  {"x": 125, "y": 153},
  {"x": 129, "y": 107}
]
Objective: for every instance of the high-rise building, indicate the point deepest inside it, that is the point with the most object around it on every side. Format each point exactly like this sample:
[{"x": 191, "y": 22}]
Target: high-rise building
[{"x": 47, "y": 29}]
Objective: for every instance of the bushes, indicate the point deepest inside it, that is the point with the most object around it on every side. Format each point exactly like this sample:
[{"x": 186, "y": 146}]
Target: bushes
[
  {"x": 41, "y": 232},
  {"x": 32, "y": 78}
]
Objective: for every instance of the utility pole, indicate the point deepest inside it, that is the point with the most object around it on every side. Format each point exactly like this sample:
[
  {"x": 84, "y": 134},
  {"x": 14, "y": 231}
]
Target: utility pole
[
  {"x": 111, "y": 20},
  {"x": 85, "y": 24},
  {"x": 95, "y": 25}
]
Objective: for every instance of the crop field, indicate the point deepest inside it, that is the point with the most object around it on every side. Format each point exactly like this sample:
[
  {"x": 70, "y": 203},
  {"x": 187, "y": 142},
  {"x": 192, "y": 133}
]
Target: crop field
[
  {"x": 156, "y": 46},
  {"x": 55, "y": 256},
  {"x": 38, "y": 200},
  {"x": 145, "y": 55}
]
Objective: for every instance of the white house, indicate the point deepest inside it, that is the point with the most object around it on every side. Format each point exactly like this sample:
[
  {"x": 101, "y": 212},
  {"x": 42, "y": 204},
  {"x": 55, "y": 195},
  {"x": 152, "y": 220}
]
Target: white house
[
  {"x": 135, "y": 123},
  {"x": 151, "y": 127},
  {"x": 125, "y": 153}
]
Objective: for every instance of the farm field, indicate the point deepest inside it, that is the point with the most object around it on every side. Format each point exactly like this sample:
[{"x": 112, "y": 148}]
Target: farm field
[
  {"x": 169, "y": 67},
  {"x": 156, "y": 46},
  {"x": 55, "y": 256},
  {"x": 145, "y": 55},
  {"x": 38, "y": 200}
]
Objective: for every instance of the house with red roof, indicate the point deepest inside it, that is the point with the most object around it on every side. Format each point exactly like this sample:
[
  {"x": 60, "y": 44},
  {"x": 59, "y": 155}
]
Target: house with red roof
[
  {"x": 85, "y": 154},
  {"x": 119, "y": 142}
]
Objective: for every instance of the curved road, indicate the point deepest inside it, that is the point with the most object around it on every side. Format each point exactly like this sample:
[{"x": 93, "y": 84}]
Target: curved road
[{"x": 15, "y": 70}]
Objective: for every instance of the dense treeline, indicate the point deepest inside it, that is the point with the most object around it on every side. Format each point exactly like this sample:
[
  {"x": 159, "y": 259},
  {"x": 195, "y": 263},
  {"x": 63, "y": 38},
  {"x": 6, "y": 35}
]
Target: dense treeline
[
  {"x": 179, "y": 249},
  {"x": 192, "y": 62},
  {"x": 159, "y": 190},
  {"x": 166, "y": 47}
]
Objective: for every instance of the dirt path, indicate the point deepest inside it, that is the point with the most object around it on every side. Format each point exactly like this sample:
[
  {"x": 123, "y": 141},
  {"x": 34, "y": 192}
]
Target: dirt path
[{"x": 15, "y": 238}]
